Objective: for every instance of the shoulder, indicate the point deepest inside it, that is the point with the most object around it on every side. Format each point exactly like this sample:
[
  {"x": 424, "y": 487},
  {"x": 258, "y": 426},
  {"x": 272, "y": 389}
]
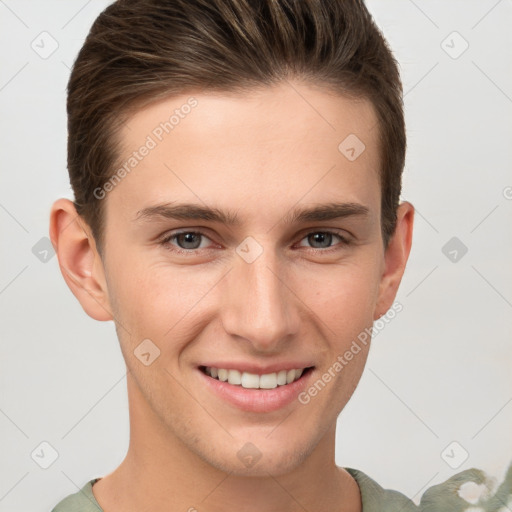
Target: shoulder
[
  {"x": 80, "y": 501},
  {"x": 468, "y": 491},
  {"x": 377, "y": 499}
]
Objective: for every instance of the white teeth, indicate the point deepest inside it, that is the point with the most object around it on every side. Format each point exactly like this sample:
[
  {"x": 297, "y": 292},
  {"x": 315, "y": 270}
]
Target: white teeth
[
  {"x": 234, "y": 377},
  {"x": 290, "y": 376},
  {"x": 250, "y": 380},
  {"x": 254, "y": 381},
  {"x": 268, "y": 381}
]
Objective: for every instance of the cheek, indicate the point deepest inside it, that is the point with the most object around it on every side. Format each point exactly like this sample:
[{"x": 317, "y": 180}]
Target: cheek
[
  {"x": 156, "y": 301},
  {"x": 343, "y": 295},
  {"x": 161, "y": 301}
]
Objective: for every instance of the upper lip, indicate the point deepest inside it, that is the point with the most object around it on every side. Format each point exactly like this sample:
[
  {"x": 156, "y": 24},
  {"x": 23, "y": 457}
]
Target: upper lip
[{"x": 258, "y": 368}]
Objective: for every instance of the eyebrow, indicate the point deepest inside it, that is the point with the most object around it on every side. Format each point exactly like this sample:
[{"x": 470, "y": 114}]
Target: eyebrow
[{"x": 192, "y": 211}]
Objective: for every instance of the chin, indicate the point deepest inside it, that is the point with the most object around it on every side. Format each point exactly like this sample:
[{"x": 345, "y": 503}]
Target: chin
[{"x": 260, "y": 457}]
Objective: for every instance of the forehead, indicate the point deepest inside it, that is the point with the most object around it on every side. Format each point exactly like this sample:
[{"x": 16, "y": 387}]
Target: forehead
[{"x": 276, "y": 144}]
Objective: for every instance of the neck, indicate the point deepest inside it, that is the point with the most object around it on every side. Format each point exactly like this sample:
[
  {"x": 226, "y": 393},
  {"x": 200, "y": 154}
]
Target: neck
[{"x": 160, "y": 473}]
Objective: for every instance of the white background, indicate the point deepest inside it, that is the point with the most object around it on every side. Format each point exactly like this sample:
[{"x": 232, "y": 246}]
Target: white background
[{"x": 439, "y": 372}]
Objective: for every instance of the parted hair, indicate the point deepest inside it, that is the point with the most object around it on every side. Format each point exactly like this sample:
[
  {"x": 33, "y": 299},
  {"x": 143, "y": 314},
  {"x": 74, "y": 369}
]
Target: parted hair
[{"x": 139, "y": 51}]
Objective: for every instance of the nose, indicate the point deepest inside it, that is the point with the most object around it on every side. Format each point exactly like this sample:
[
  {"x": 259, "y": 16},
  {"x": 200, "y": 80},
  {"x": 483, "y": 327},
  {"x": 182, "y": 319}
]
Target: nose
[{"x": 259, "y": 305}]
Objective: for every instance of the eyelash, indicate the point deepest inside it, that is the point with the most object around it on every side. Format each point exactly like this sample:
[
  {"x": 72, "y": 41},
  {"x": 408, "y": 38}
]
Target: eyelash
[{"x": 166, "y": 242}]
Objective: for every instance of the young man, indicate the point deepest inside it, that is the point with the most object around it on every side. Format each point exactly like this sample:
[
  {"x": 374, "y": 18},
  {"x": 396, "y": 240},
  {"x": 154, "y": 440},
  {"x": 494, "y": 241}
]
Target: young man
[{"x": 236, "y": 166}]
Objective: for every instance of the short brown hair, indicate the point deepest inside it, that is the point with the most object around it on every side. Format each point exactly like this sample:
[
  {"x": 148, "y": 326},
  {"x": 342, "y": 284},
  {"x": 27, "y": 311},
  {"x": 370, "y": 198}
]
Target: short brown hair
[{"x": 141, "y": 50}]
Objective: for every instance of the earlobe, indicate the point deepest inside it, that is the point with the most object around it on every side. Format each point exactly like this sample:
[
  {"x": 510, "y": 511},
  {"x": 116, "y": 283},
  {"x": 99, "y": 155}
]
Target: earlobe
[
  {"x": 79, "y": 260},
  {"x": 395, "y": 258}
]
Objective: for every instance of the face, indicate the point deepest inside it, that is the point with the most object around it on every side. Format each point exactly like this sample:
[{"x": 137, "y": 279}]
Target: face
[{"x": 244, "y": 239}]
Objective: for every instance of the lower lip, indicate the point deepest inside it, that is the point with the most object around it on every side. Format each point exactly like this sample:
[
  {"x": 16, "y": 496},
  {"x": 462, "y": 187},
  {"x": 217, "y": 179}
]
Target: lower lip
[{"x": 257, "y": 400}]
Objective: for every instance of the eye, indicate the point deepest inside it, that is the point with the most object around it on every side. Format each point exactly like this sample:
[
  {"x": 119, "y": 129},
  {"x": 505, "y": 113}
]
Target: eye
[
  {"x": 186, "y": 241},
  {"x": 324, "y": 239}
]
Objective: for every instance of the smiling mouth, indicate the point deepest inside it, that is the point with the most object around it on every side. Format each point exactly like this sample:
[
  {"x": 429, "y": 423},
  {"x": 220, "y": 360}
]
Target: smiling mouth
[{"x": 254, "y": 381}]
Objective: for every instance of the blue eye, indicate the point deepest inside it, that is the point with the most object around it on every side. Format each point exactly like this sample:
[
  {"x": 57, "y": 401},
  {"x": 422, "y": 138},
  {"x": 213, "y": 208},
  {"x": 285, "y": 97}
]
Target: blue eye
[{"x": 324, "y": 238}]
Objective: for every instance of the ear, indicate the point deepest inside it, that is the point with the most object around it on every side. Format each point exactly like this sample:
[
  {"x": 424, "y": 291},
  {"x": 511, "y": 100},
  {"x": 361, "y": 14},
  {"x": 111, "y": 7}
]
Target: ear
[
  {"x": 79, "y": 260},
  {"x": 395, "y": 258}
]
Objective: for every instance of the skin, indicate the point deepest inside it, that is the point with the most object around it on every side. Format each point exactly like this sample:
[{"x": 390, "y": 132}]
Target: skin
[{"x": 259, "y": 155}]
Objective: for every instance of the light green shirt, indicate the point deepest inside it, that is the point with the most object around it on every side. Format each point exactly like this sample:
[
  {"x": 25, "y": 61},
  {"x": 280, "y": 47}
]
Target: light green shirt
[{"x": 444, "y": 497}]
